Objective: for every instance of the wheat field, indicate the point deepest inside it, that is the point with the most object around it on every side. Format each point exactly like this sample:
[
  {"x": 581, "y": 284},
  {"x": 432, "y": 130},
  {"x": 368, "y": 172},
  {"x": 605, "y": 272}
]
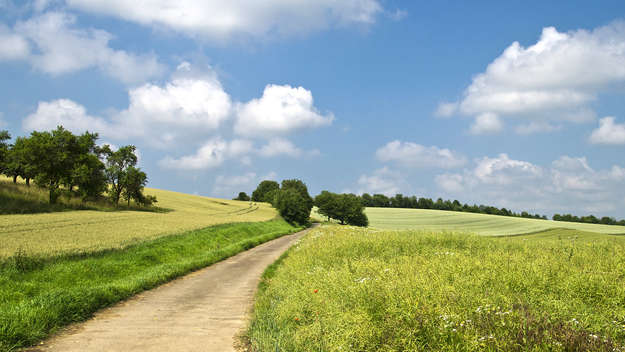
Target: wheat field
[
  {"x": 87, "y": 231},
  {"x": 482, "y": 224}
]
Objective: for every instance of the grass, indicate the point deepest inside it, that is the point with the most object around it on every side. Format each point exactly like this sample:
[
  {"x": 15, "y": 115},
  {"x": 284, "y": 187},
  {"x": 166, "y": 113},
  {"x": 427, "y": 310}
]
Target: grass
[
  {"x": 17, "y": 198},
  {"x": 53, "y": 234},
  {"x": 483, "y": 224},
  {"x": 351, "y": 289},
  {"x": 38, "y": 295}
]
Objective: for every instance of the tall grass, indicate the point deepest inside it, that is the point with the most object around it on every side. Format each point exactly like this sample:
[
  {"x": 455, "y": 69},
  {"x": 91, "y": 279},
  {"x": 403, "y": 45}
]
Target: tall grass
[
  {"x": 351, "y": 289},
  {"x": 38, "y": 295}
]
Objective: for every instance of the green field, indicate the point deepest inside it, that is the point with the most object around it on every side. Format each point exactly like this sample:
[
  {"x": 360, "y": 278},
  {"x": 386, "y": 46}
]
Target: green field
[
  {"x": 57, "y": 233},
  {"x": 482, "y": 224},
  {"x": 40, "y": 295},
  {"x": 352, "y": 289}
]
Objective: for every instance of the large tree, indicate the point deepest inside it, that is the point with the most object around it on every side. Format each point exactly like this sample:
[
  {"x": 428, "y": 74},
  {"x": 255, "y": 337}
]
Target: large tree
[
  {"x": 4, "y": 150},
  {"x": 117, "y": 165},
  {"x": 262, "y": 192},
  {"x": 299, "y": 187},
  {"x": 346, "y": 208},
  {"x": 292, "y": 206},
  {"x": 134, "y": 181}
]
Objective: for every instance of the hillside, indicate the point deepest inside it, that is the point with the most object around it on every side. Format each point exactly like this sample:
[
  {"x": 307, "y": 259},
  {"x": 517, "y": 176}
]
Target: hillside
[
  {"x": 87, "y": 230},
  {"x": 482, "y": 224}
]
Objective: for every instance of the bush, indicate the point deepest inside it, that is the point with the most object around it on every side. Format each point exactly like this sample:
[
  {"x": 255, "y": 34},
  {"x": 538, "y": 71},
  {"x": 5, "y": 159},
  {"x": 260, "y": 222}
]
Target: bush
[
  {"x": 292, "y": 206},
  {"x": 346, "y": 208},
  {"x": 242, "y": 196}
]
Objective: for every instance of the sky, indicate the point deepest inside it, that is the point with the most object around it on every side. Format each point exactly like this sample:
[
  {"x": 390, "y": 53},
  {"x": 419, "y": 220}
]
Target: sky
[{"x": 516, "y": 104}]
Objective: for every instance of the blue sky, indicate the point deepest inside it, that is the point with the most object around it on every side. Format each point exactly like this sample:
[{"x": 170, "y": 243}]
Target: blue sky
[{"x": 516, "y": 104}]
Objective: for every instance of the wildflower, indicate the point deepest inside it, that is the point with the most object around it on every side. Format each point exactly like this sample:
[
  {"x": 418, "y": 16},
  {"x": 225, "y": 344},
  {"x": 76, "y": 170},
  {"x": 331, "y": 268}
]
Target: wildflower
[{"x": 316, "y": 290}]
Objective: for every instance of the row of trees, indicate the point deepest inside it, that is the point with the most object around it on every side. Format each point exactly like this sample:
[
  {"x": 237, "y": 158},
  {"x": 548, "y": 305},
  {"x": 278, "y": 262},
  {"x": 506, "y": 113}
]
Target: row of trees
[
  {"x": 590, "y": 219},
  {"x": 290, "y": 198},
  {"x": 60, "y": 161},
  {"x": 346, "y": 208},
  {"x": 400, "y": 201}
]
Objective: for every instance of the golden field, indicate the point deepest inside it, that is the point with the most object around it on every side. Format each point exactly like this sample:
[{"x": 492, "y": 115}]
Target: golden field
[{"x": 87, "y": 231}]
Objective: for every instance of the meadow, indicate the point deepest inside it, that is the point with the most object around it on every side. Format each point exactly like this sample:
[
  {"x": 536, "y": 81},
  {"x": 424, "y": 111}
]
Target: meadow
[
  {"x": 353, "y": 289},
  {"x": 57, "y": 233},
  {"x": 482, "y": 224},
  {"x": 39, "y": 295}
]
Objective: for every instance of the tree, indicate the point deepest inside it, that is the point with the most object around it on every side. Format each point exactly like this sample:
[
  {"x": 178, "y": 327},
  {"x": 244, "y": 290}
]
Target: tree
[
  {"x": 18, "y": 161},
  {"x": 90, "y": 178},
  {"x": 292, "y": 206},
  {"x": 51, "y": 158},
  {"x": 299, "y": 187},
  {"x": 346, "y": 208},
  {"x": 117, "y": 165},
  {"x": 133, "y": 182},
  {"x": 260, "y": 193},
  {"x": 242, "y": 196},
  {"x": 4, "y": 150}
]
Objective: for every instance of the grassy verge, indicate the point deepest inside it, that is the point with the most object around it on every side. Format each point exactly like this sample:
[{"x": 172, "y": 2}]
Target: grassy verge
[
  {"x": 350, "y": 289},
  {"x": 17, "y": 198},
  {"x": 37, "y": 296}
]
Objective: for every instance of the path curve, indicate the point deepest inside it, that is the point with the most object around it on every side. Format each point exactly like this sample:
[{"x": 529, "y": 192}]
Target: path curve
[{"x": 202, "y": 311}]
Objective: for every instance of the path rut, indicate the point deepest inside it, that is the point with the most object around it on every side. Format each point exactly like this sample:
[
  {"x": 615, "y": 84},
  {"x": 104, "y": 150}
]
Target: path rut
[{"x": 202, "y": 311}]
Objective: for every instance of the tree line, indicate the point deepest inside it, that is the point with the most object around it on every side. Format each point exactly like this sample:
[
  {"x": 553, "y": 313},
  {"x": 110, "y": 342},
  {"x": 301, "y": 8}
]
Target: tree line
[
  {"x": 400, "y": 201},
  {"x": 62, "y": 162},
  {"x": 590, "y": 219},
  {"x": 294, "y": 204}
]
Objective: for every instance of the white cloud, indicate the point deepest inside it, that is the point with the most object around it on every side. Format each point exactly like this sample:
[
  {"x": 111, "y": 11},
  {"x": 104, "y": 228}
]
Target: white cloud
[
  {"x": 230, "y": 185},
  {"x": 383, "y": 181},
  {"x": 486, "y": 123},
  {"x": 537, "y": 127},
  {"x": 608, "y": 132},
  {"x": 569, "y": 184},
  {"x": 415, "y": 155},
  {"x": 222, "y": 20},
  {"x": 279, "y": 146},
  {"x": 183, "y": 110},
  {"x": 12, "y": 46},
  {"x": 450, "y": 182},
  {"x": 212, "y": 154},
  {"x": 446, "y": 109},
  {"x": 59, "y": 47},
  {"x": 281, "y": 110},
  {"x": 66, "y": 113},
  {"x": 553, "y": 80}
]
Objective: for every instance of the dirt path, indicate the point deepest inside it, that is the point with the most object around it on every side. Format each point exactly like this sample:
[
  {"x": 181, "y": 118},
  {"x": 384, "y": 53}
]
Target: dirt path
[{"x": 202, "y": 311}]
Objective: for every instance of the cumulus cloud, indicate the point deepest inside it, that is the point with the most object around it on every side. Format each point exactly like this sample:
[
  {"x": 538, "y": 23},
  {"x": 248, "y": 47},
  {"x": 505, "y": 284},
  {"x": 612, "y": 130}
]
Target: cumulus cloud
[
  {"x": 553, "y": 80},
  {"x": 186, "y": 108},
  {"x": 221, "y": 20},
  {"x": 66, "y": 113},
  {"x": 569, "y": 184},
  {"x": 212, "y": 154},
  {"x": 279, "y": 146},
  {"x": 608, "y": 132},
  {"x": 12, "y": 46},
  {"x": 486, "y": 123},
  {"x": 52, "y": 43},
  {"x": 281, "y": 110},
  {"x": 382, "y": 181},
  {"x": 415, "y": 155}
]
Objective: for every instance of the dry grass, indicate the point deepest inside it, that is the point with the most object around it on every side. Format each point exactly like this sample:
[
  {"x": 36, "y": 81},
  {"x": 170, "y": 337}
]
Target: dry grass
[{"x": 86, "y": 231}]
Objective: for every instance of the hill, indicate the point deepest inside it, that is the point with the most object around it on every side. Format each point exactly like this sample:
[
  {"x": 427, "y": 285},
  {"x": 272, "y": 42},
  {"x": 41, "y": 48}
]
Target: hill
[
  {"x": 482, "y": 224},
  {"x": 88, "y": 230}
]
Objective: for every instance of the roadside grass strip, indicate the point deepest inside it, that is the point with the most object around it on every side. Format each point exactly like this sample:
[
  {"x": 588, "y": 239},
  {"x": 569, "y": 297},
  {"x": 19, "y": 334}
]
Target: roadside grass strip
[
  {"x": 39, "y": 295},
  {"x": 352, "y": 289}
]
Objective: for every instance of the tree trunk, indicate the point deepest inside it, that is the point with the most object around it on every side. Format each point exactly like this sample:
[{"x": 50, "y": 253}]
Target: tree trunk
[
  {"x": 15, "y": 179},
  {"x": 28, "y": 181}
]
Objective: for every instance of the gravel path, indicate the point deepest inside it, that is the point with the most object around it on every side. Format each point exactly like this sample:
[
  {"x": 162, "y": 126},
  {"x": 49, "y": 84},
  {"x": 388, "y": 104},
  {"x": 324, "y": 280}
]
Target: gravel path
[{"x": 202, "y": 311}]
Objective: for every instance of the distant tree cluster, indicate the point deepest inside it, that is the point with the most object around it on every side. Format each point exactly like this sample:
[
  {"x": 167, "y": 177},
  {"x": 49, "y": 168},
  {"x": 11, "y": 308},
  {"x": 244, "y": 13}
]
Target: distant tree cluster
[
  {"x": 291, "y": 199},
  {"x": 590, "y": 219},
  {"x": 63, "y": 162},
  {"x": 242, "y": 196},
  {"x": 346, "y": 208},
  {"x": 399, "y": 201}
]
